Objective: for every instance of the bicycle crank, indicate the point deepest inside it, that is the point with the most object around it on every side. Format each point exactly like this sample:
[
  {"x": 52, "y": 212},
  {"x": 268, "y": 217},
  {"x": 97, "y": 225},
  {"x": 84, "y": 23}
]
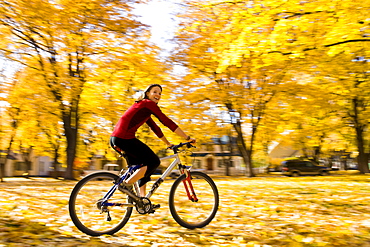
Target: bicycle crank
[{"x": 143, "y": 205}]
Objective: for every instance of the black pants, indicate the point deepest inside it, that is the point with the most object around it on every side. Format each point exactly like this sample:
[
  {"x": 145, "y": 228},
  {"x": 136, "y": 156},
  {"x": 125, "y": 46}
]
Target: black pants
[{"x": 138, "y": 153}]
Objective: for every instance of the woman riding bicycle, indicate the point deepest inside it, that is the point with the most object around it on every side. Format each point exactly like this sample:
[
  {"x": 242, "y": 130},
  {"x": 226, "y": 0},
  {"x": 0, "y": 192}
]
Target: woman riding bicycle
[{"x": 123, "y": 137}]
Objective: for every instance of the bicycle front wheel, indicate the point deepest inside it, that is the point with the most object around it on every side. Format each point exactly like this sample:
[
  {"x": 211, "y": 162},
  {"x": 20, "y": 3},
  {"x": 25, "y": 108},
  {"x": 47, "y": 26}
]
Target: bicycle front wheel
[
  {"x": 84, "y": 211},
  {"x": 189, "y": 213}
]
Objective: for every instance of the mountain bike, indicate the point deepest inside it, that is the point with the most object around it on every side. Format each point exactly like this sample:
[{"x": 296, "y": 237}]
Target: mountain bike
[{"x": 98, "y": 205}]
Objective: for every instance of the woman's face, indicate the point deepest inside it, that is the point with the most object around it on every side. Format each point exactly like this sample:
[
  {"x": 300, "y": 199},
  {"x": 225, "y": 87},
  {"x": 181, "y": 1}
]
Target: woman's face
[{"x": 154, "y": 94}]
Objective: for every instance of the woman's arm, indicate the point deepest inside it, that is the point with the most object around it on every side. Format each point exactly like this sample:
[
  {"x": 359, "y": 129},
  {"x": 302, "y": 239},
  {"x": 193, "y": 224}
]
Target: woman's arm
[
  {"x": 181, "y": 133},
  {"x": 169, "y": 123},
  {"x": 164, "y": 139}
]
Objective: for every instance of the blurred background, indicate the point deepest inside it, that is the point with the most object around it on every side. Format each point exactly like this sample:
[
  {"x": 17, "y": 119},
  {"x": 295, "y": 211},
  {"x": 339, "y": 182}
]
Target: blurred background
[{"x": 256, "y": 82}]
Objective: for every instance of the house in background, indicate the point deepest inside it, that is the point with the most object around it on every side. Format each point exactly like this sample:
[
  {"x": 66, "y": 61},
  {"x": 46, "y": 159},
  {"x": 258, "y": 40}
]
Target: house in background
[
  {"x": 15, "y": 165},
  {"x": 216, "y": 155},
  {"x": 281, "y": 151}
]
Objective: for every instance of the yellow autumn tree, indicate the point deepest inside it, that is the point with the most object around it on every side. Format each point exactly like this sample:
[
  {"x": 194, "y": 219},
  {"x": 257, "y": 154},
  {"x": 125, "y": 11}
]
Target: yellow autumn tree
[
  {"x": 349, "y": 86},
  {"x": 244, "y": 89},
  {"x": 72, "y": 46},
  {"x": 281, "y": 37}
]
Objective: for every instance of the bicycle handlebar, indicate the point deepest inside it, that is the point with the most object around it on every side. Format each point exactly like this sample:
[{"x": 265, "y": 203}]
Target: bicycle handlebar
[{"x": 175, "y": 148}]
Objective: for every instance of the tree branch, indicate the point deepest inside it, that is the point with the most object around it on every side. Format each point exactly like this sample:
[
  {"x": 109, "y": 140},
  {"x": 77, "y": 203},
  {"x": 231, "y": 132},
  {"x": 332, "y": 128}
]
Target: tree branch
[
  {"x": 347, "y": 41},
  {"x": 292, "y": 14},
  {"x": 328, "y": 45}
]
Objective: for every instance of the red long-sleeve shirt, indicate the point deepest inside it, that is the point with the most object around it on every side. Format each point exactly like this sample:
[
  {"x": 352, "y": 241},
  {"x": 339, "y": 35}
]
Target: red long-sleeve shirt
[{"x": 138, "y": 114}]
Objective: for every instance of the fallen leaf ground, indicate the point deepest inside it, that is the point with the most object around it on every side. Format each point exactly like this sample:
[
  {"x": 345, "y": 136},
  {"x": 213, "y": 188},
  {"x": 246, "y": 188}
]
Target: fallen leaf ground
[{"x": 260, "y": 212}]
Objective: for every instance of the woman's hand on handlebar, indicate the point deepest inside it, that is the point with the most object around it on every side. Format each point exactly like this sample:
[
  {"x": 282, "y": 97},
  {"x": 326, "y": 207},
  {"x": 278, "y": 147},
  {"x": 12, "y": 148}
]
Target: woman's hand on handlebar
[
  {"x": 192, "y": 140},
  {"x": 188, "y": 144}
]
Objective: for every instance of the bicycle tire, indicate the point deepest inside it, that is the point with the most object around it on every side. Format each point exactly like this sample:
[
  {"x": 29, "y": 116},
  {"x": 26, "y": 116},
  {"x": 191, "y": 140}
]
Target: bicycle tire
[
  {"x": 83, "y": 209},
  {"x": 191, "y": 214}
]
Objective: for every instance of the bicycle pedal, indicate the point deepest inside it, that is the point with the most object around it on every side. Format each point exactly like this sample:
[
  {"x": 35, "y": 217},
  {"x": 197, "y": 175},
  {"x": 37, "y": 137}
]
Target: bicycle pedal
[{"x": 154, "y": 207}]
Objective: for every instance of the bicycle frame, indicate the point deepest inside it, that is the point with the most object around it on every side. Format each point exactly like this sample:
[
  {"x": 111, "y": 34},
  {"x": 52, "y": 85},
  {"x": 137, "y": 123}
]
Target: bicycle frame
[
  {"x": 183, "y": 170},
  {"x": 115, "y": 186},
  {"x": 167, "y": 172}
]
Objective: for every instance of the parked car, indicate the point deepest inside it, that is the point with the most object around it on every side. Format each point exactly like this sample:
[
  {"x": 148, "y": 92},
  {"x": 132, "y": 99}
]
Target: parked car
[
  {"x": 297, "y": 168},
  {"x": 273, "y": 168}
]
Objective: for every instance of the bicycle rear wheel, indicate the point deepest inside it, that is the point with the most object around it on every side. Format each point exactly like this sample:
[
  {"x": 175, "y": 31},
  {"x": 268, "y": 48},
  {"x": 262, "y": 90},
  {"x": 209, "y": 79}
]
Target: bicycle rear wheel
[
  {"x": 84, "y": 211},
  {"x": 194, "y": 214}
]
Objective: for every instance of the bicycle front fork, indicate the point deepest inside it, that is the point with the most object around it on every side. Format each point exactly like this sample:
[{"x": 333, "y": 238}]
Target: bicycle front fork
[{"x": 189, "y": 186}]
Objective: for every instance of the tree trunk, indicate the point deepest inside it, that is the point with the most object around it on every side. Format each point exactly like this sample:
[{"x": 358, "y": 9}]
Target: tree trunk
[
  {"x": 56, "y": 156},
  {"x": 2, "y": 169},
  {"x": 2, "y": 166},
  {"x": 230, "y": 144},
  {"x": 362, "y": 159},
  {"x": 246, "y": 154},
  {"x": 71, "y": 136},
  {"x": 70, "y": 119},
  {"x": 224, "y": 162}
]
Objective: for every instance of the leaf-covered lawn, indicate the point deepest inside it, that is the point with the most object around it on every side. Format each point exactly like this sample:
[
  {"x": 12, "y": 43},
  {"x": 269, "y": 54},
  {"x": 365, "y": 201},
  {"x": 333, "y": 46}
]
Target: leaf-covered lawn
[{"x": 263, "y": 211}]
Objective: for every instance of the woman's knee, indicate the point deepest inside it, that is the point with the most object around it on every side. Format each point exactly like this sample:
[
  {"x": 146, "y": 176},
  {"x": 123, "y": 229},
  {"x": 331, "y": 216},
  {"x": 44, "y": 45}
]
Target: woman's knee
[
  {"x": 156, "y": 161},
  {"x": 143, "y": 181},
  {"x": 153, "y": 163}
]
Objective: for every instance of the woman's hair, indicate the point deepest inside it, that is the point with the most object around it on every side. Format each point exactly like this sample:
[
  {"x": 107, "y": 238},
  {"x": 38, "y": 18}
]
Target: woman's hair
[{"x": 143, "y": 95}]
